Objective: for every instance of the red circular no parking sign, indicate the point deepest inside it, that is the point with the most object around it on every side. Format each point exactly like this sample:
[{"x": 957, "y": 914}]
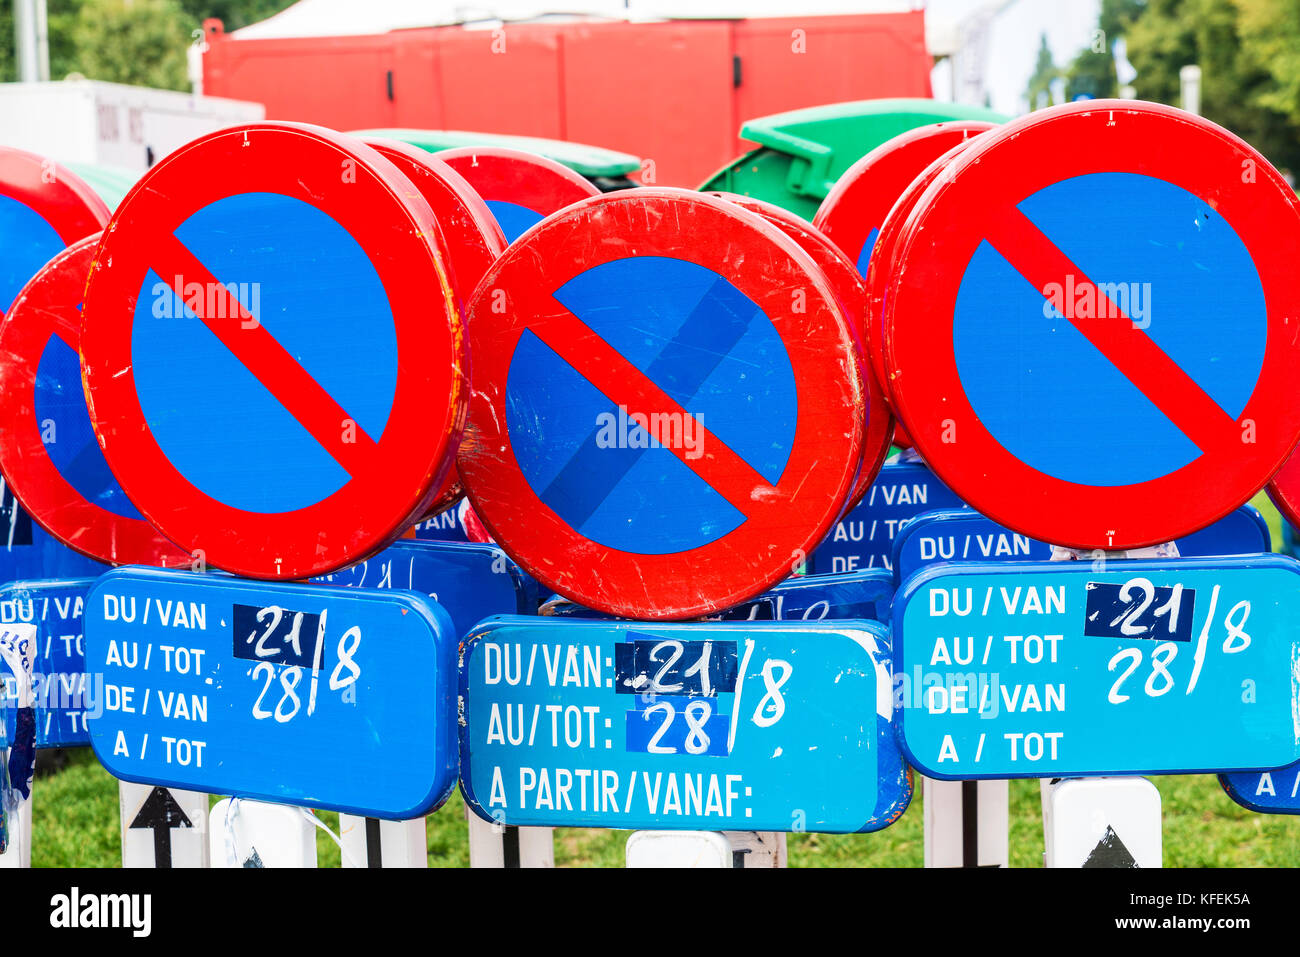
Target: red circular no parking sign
[
  {"x": 48, "y": 451},
  {"x": 473, "y": 242},
  {"x": 521, "y": 189},
  {"x": 661, "y": 424},
  {"x": 854, "y": 213},
  {"x": 272, "y": 351},
  {"x": 1097, "y": 351}
]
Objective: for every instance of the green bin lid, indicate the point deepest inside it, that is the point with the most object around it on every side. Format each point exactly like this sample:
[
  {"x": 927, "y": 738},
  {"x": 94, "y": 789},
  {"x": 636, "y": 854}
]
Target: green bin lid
[
  {"x": 111, "y": 183},
  {"x": 589, "y": 161},
  {"x": 802, "y": 153}
]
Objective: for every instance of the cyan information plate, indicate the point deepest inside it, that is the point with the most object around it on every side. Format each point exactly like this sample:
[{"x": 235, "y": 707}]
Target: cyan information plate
[
  {"x": 963, "y": 534},
  {"x": 339, "y": 698},
  {"x": 469, "y": 581},
  {"x": 1062, "y": 669},
  {"x": 769, "y": 727},
  {"x": 864, "y": 538},
  {"x": 61, "y": 690}
]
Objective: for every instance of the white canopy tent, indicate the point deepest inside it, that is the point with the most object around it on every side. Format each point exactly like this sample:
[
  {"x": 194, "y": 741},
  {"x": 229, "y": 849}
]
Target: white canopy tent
[{"x": 316, "y": 18}]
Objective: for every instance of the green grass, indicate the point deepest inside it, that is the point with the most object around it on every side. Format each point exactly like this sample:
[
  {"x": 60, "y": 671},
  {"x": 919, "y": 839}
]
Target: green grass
[{"x": 76, "y": 825}]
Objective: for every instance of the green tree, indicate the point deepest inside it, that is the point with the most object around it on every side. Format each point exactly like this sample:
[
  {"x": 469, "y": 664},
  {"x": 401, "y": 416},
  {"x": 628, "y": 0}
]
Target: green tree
[
  {"x": 131, "y": 41},
  {"x": 1039, "y": 92},
  {"x": 1092, "y": 72},
  {"x": 232, "y": 13},
  {"x": 1233, "y": 41}
]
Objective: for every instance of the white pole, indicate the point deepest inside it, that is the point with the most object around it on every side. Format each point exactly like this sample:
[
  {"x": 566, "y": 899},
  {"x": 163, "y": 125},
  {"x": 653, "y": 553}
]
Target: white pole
[
  {"x": 679, "y": 849},
  {"x": 1189, "y": 78},
  {"x": 254, "y": 834},
  {"x": 496, "y": 845},
  {"x": 370, "y": 842},
  {"x": 965, "y": 823}
]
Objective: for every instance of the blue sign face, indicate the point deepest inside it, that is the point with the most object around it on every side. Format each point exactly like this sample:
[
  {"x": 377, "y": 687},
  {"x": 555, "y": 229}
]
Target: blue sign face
[
  {"x": 707, "y": 346},
  {"x": 29, "y": 552},
  {"x": 514, "y": 219},
  {"x": 303, "y": 694},
  {"x": 469, "y": 581},
  {"x": 1266, "y": 792},
  {"x": 29, "y": 243},
  {"x": 862, "y": 594},
  {"x": 1060, "y": 669},
  {"x": 703, "y": 726},
  {"x": 62, "y": 691},
  {"x": 864, "y": 538},
  {"x": 963, "y": 535}
]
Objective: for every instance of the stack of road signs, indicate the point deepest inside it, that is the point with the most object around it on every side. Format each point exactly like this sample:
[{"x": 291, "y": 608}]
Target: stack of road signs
[{"x": 673, "y": 406}]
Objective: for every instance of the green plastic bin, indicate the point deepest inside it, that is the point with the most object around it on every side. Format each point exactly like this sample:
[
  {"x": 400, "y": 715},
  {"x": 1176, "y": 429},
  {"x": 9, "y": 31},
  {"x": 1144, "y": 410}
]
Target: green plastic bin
[
  {"x": 607, "y": 169},
  {"x": 112, "y": 183},
  {"x": 802, "y": 153}
]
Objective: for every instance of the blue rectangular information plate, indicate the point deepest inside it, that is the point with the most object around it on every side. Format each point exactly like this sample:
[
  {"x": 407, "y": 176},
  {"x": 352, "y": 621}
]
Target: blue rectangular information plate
[
  {"x": 864, "y": 538},
  {"x": 715, "y": 726},
  {"x": 315, "y": 695},
  {"x": 964, "y": 535},
  {"x": 1063, "y": 669},
  {"x": 61, "y": 690},
  {"x": 470, "y": 581},
  {"x": 1267, "y": 792}
]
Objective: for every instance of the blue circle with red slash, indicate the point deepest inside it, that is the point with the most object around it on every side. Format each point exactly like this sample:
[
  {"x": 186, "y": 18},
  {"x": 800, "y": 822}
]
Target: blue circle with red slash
[
  {"x": 699, "y": 339},
  {"x": 1120, "y": 364},
  {"x": 654, "y": 431},
  {"x": 268, "y": 418}
]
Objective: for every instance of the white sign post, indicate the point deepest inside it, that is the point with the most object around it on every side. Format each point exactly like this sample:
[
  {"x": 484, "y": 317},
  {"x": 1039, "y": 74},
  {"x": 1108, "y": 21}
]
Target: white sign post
[
  {"x": 1101, "y": 822},
  {"x": 258, "y": 834},
  {"x": 678, "y": 849},
  {"x": 757, "y": 848},
  {"x": 497, "y": 845},
  {"x": 370, "y": 842},
  {"x": 163, "y": 827},
  {"x": 965, "y": 823}
]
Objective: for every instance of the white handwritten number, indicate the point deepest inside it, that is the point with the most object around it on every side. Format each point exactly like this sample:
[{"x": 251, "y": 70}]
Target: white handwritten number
[
  {"x": 1237, "y": 640},
  {"x": 345, "y": 659},
  {"x": 1173, "y": 607},
  {"x": 1135, "y": 612},
  {"x": 1159, "y": 668},
  {"x": 701, "y": 668},
  {"x": 1115, "y": 697},
  {"x": 258, "y": 711},
  {"x": 275, "y": 613},
  {"x": 654, "y": 747},
  {"x": 697, "y": 713},
  {"x": 289, "y": 680},
  {"x": 773, "y": 700},
  {"x": 656, "y": 683}
]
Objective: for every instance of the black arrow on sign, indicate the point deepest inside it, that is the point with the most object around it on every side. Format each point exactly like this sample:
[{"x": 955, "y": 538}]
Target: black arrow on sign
[
  {"x": 1110, "y": 852},
  {"x": 160, "y": 813}
]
